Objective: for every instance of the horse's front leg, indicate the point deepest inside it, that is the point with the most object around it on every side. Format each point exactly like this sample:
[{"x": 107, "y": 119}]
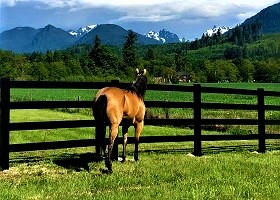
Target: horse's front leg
[
  {"x": 138, "y": 129},
  {"x": 112, "y": 137}
]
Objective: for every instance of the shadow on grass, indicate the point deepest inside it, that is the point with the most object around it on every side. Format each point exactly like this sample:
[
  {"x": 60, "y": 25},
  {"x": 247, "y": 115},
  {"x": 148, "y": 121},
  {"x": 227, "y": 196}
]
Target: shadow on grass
[
  {"x": 76, "y": 162},
  {"x": 82, "y": 161},
  {"x": 73, "y": 161},
  {"x": 208, "y": 150}
]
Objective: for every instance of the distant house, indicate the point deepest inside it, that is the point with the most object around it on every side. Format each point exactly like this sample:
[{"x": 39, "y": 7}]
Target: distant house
[
  {"x": 158, "y": 80},
  {"x": 183, "y": 77},
  {"x": 161, "y": 79}
]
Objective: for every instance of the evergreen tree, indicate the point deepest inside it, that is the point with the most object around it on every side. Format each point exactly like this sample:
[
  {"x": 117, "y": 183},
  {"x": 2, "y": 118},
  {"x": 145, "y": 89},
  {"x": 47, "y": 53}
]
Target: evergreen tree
[
  {"x": 96, "y": 53},
  {"x": 38, "y": 71},
  {"x": 130, "y": 59},
  {"x": 150, "y": 55},
  {"x": 103, "y": 57},
  {"x": 57, "y": 71},
  {"x": 179, "y": 59},
  {"x": 49, "y": 56}
]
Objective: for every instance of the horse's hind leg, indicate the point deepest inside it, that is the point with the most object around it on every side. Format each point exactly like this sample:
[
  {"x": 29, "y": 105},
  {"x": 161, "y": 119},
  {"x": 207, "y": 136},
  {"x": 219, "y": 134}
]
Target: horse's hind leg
[
  {"x": 138, "y": 128},
  {"x": 112, "y": 137},
  {"x": 103, "y": 143},
  {"x": 124, "y": 131}
]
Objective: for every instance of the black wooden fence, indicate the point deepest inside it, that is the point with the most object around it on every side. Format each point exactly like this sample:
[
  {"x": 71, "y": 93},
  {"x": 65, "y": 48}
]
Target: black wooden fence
[{"x": 197, "y": 121}]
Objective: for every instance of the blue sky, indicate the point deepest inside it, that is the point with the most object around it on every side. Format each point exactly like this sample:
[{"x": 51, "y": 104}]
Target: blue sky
[{"x": 186, "y": 18}]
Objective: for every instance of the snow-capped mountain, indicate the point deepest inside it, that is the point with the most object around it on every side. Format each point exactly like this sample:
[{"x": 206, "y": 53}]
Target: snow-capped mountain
[
  {"x": 155, "y": 35},
  {"x": 112, "y": 34},
  {"x": 50, "y": 38},
  {"x": 82, "y": 31},
  {"x": 215, "y": 29},
  {"x": 163, "y": 36}
]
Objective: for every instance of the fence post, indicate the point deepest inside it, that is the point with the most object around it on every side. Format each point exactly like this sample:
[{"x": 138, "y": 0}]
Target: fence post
[
  {"x": 79, "y": 99},
  {"x": 261, "y": 120},
  {"x": 115, "y": 152},
  {"x": 197, "y": 119},
  {"x": 4, "y": 122}
]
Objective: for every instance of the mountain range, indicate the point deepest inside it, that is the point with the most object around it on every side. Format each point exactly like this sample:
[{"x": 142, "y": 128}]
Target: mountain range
[{"x": 28, "y": 39}]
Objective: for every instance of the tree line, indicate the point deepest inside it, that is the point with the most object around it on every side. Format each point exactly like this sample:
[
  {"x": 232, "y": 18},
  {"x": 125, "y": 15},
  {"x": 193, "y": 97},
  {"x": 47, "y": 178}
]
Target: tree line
[
  {"x": 228, "y": 58},
  {"x": 81, "y": 63}
]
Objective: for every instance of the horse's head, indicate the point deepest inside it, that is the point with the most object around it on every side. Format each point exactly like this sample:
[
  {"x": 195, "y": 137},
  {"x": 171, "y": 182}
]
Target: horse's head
[
  {"x": 139, "y": 86},
  {"x": 138, "y": 73},
  {"x": 141, "y": 77}
]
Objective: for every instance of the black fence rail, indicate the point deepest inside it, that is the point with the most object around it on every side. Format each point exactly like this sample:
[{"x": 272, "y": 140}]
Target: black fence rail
[{"x": 196, "y": 122}]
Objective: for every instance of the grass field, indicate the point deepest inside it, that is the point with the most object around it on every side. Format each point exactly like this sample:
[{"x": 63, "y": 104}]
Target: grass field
[
  {"x": 227, "y": 170},
  {"x": 73, "y": 94},
  {"x": 87, "y": 94}
]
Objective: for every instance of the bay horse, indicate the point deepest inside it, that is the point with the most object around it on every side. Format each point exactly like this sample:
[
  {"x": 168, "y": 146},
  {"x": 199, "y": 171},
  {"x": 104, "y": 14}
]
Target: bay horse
[{"x": 113, "y": 105}]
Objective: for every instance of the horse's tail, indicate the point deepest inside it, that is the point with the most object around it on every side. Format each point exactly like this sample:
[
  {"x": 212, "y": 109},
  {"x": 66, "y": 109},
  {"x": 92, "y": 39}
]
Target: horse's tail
[{"x": 100, "y": 115}]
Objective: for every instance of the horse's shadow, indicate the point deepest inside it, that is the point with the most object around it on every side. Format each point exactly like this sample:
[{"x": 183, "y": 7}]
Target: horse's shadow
[
  {"x": 77, "y": 162},
  {"x": 87, "y": 161},
  {"x": 72, "y": 161}
]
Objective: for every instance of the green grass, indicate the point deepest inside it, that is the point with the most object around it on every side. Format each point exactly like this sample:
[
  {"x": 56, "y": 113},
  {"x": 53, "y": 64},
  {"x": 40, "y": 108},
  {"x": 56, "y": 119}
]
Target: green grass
[
  {"x": 155, "y": 176},
  {"x": 227, "y": 170},
  {"x": 73, "y": 94},
  {"x": 87, "y": 94},
  {"x": 71, "y": 133}
]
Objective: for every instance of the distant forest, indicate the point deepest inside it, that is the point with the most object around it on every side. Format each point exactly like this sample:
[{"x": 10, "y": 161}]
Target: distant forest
[{"x": 240, "y": 55}]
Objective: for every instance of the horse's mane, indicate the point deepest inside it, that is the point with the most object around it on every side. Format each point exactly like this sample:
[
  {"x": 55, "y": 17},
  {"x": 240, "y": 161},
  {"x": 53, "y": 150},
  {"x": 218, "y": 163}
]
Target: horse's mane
[{"x": 139, "y": 87}]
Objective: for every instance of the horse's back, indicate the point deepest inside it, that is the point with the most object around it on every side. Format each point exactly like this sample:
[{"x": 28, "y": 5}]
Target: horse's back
[
  {"x": 122, "y": 104},
  {"x": 110, "y": 92}
]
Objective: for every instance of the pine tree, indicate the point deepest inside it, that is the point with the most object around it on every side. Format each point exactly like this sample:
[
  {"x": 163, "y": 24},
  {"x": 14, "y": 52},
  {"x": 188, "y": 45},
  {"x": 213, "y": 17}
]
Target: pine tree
[
  {"x": 150, "y": 54},
  {"x": 130, "y": 59},
  {"x": 96, "y": 52}
]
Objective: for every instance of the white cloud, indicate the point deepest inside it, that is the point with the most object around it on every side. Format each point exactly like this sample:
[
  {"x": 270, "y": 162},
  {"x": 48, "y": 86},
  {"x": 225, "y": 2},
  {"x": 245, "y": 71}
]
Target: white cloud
[
  {"x": 246, "y": 15},
  {"x": 145, "y": 3},
  {"x": 155, "y": 10},
  {"x": 150, "y": 18},
  {"x": 8, "y": 3}
]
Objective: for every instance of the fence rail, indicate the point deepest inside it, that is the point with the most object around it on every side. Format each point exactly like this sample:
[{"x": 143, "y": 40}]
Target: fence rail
[{"x": 196, "y": 122}]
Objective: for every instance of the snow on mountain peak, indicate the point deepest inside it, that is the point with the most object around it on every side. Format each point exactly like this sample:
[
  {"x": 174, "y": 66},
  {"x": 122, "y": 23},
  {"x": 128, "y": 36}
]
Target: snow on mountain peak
[
  {"x": 71, "y": 32},
  {"x": 87, "y": 28},
  {"x": 83, "y": 30},
  {"x": 163, "y": 36},
  {"x": 155, "y": 35},
  {"x": 215, "y": 30}
]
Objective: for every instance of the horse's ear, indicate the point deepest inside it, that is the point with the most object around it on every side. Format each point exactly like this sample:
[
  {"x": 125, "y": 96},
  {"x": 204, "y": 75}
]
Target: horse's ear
[
  {"x": 144, "y": 72},
  {"x": 137, "y": 71}
]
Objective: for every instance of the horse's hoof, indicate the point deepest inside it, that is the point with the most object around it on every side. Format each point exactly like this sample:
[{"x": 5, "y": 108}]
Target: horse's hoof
[
  {"x": 99, "y": 159},
  {"x": 136, "y": 158},
  {"x": 106, "y": 171},
  {"x": 122, "y": 160}
]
